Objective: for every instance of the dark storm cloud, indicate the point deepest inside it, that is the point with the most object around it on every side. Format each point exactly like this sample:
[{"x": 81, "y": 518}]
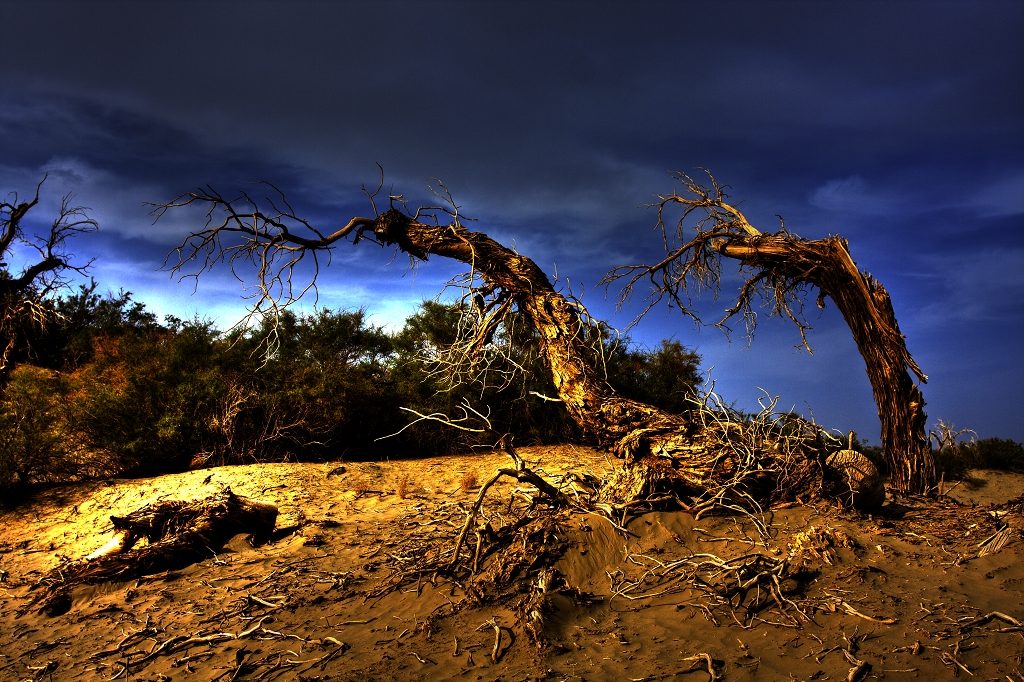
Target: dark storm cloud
[
  {"x": 898, "y": 124},
  {"x": 526, "y": 107},
  {"x": 521, "y": 95}
]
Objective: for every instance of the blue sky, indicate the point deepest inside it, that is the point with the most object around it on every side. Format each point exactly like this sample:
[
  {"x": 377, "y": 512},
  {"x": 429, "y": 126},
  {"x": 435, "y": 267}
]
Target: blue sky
[{"x": 898, "y": 124}]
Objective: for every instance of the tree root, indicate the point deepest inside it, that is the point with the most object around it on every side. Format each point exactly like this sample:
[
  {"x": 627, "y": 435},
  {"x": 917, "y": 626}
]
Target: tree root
[
  {"x": 520, "y": 473},
  {"x": 515, "y": 550},
  {"x": 737, "y": 463}
]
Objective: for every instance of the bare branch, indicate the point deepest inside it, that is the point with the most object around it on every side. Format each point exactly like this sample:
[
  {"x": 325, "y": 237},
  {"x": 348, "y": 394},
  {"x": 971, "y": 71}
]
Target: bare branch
[
  {"x": 506, "y": 297},
  {"x": 694, "y": 238},
  {"x": 274, "y": 245},
  {"x": 22, "y": 295}
]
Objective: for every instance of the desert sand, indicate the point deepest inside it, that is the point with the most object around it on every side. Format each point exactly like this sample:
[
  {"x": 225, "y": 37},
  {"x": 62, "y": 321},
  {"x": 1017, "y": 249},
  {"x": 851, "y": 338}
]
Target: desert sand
[{"x": 922, "y": 590}]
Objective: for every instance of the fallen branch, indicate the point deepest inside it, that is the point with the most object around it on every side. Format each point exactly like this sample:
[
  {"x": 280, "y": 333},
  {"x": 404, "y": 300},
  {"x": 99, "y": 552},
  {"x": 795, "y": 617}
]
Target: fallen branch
[
  {"x": 854, "y": 612},
  {"x": 708, "y": 662},
  {"x": 989, "y": 617}
]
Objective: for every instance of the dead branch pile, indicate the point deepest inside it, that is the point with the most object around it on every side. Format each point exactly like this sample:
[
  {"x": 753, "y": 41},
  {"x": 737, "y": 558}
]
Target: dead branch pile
[
  {"x": 965, "y": 532},
  {"x": 498, "y": 545},
  {"x": 749, "y": 461},
  {"x": 763, "y": 586}
]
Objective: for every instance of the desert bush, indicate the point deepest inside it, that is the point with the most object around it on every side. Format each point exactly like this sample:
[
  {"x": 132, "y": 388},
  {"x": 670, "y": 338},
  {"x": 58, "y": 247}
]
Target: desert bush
[
  {"x": 164, "y": 398},
  {"x": 951, "y": 448},
  {"x": 403, "y": 486},
  {"x": 995, "y": 453},
  {"x": 666, "y": 377},
  {"x": 147, "y": 399},
  {"x": 327, "y": 387},
  {"x": 951, "y": 464},
  {"x": 469, "y": 482},
  {"x": 34, "y": 442},
  {"x": 509, "y": 389},
  {"x": 957, "y": 451},
  {"x": 414, "y": 385},
  {"x": 65, "y": 341}
]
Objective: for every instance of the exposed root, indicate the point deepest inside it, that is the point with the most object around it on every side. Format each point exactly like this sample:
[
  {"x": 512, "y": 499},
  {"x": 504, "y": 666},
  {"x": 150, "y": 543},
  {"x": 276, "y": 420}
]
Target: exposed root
[
  {"x": 520, "y": 473},
  {"x": 735, "y": 463},
  {"x": 743, "y": 587}
]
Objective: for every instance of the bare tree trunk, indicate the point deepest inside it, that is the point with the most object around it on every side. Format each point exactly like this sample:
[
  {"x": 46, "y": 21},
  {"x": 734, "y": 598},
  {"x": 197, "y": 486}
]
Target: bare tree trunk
[
  {"x": 867, "y": 309},
  {"x": 665, "y": 454}
]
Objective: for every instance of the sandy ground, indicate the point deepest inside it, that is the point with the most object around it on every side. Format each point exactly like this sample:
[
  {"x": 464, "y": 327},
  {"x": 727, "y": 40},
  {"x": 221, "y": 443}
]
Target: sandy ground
[{"x": 907, "y": 594}]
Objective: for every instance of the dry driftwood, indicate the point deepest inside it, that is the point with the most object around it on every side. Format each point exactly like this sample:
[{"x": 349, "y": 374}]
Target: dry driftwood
[{"x": 178, "y": 534}]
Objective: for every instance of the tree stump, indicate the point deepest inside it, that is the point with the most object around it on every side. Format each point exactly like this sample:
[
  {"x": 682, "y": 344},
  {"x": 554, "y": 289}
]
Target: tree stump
[{"x": 861, "y": 483}]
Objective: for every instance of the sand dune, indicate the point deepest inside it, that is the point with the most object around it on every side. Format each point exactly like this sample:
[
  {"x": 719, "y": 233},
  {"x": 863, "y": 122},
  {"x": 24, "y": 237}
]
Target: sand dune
[{"x": 908, "y": 594}]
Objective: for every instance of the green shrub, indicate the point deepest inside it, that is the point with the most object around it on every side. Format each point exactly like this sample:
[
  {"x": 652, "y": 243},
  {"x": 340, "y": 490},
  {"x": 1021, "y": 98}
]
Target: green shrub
[
  {"x": 667, "y": 377},
  {"x": 955, "y": 459},
  {"x": 146, "y": 399},
  {"x": 996, "y": 453},
  {"x": 34, "y": 442},
  {"x": 951, "y": 464}
]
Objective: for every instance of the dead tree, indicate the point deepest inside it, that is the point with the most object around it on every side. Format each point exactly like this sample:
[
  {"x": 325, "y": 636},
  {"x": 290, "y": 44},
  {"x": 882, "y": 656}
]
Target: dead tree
[
  {"x": 22, "y": 295},
  {"x": 709, "y": 459},
  {"x": 778, "y": 268}
]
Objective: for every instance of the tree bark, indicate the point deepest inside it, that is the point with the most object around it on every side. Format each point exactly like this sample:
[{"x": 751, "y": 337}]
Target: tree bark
[
  {"x": 699, "y": 227},
  {"x": 867, "y": 309},
  {"x": 710, "y": 457}
]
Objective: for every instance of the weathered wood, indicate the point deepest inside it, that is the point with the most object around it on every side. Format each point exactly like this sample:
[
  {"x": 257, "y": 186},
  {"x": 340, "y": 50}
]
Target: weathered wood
[
  {"x": 665, "y": 455},
  {"x": 864, "y": 487},
  {"x": 178, "y": 533},
  {"x": 867, "y": 309}
]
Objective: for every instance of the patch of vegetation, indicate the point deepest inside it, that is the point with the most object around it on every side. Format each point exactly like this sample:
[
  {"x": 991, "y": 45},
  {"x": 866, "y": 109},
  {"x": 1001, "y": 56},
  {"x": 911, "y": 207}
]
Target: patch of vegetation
[
  {"x": 106, "y": 389},
  {"x": 986, "y": 453},
  {"x": 957, "y": 451}
]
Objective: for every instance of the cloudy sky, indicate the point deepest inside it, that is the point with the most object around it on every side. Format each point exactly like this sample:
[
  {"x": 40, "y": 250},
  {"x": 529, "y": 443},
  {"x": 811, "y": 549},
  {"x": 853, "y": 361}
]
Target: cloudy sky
[{"x": 899, "y": 124}]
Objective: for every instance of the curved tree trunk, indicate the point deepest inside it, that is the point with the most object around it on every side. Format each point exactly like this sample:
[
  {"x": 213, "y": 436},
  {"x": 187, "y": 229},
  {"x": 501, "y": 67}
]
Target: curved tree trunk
[
  {"x": 665, "y": 454},
  {"x": 867, "y": 309},
  {"x": 708, "y": 458}
]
